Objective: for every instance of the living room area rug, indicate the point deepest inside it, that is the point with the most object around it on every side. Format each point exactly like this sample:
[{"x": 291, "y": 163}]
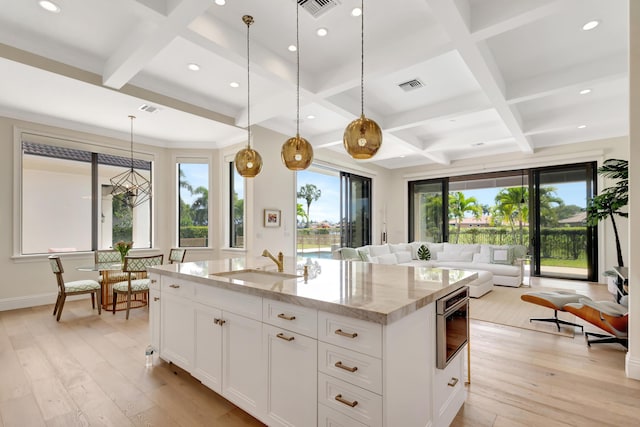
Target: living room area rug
[{"x": 503, "y": 306}]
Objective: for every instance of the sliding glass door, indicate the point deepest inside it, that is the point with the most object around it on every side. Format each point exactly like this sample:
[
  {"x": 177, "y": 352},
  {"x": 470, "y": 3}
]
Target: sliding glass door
[
  {"x": 427, "y": 211},
  {"x": 355, "y": 210},
  {"x": 563, "y": 245}
]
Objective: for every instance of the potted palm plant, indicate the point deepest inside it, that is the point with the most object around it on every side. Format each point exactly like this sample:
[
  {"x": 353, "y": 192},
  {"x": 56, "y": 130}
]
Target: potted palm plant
[{"x": 611, "y": 201}]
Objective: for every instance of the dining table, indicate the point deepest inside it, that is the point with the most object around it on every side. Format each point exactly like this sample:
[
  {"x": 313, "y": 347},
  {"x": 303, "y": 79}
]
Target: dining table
[{"x": 112, "y": 273}]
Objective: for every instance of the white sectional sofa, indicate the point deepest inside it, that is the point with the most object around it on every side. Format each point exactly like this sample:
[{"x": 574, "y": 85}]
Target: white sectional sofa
[{"x": 504, "y": 261}]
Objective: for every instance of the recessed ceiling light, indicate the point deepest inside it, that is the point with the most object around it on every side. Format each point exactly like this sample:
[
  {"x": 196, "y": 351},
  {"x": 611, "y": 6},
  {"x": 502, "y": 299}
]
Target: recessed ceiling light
[
  {"x": 590, "y": 25},
  {"x": 585, "y": 91},
  {"x": 292, "y": 48},
  {"x": 49, "y": 6},
  {"x": 311, "y": 117},
  {"x": 321, "y": 32},
  {"x": 582, "y": 126},
  {"x": 193, "y": 67},
  {"x": 356, "y": 11},
  {"x": 234, "y": 84},
  {"x": 220, "y": 2}
]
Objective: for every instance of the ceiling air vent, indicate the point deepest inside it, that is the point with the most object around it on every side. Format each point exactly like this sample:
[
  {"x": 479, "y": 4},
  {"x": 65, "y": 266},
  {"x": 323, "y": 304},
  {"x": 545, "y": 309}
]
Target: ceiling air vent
[
  {"x": 148, "y": 108},
  {"x": 411, "y": 85},
  {"x": 316, "y": 8}
]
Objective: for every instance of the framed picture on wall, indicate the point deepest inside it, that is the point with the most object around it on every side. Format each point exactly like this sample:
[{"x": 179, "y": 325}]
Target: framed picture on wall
[{"x": 271, "y": 218}]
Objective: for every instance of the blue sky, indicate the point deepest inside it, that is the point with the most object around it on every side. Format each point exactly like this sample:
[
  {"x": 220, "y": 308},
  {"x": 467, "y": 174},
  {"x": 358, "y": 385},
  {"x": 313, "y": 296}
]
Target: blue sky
[{"x": 196, "y": 174}]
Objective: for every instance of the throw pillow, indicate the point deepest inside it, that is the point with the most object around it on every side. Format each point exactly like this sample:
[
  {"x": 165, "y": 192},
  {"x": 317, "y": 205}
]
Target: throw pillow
[
  {"x": 377, "y": 250},
  {"x": 350, "y": 254},
  {"x": 423, "y": 253},
  {"x": 502, "y": 256}
]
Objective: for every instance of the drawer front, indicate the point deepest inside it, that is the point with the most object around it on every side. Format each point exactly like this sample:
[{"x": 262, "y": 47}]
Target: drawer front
[
  {"x": 353, "y": 367},
  {"x": 295, "y": 318},
  {"x": 355, "y": 334},
  {"x": 327, "y": 417},
  {"x": 235, "y": 302},
  {"x": 447, "y": 383},
  {"x": 154, "y": 281},
  {"x": 355, "y": 402},
  {"x": 178, "y": 287}
]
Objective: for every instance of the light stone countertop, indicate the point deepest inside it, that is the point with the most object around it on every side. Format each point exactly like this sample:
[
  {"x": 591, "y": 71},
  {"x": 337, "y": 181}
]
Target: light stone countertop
[{"x": 373, "y": 292}]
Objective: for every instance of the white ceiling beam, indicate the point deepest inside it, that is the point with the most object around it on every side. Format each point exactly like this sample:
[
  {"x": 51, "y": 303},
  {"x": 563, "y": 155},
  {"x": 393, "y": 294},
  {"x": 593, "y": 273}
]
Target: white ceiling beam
[
  {"x": 451, "y": 108},
  {"x": 490, "y": 19},
  {"x": 481, "y": 63},
  {"x": 147, "y": 41},
  {"x": 576, "y": 77}
]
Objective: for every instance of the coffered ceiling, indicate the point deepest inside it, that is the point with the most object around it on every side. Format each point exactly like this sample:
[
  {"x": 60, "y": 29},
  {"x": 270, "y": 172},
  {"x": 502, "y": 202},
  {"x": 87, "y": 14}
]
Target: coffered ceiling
[{"x": 497, "y": 76}]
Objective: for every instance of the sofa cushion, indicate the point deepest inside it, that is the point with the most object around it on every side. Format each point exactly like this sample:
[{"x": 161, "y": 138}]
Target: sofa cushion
[
  {"x": 461, "y": 247},
  {"x": 454, "y": 256},
  {"x": 399, "y": 247},
  {"x": 403, "y": 257},
  {"x": 377, "y": 250},
  {"x": 501, "y": 255},
  {"x": 482, "y": 257},
  {"x": 384, "y": 259}
]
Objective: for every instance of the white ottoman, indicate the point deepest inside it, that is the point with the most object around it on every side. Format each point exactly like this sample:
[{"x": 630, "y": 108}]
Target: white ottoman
[{"x": 482, "y": 285}]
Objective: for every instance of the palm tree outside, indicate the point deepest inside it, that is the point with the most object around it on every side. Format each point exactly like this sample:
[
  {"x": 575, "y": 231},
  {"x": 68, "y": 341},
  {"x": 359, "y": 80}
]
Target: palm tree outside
[{"x": 310, "y": 193}]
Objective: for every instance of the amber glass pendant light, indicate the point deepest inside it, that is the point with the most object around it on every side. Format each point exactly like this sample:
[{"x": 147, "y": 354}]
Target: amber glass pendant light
[
  {"x": 248, "y": 161},
  {"x": 297, "y": 152},
  {"x": 362, "y": 137}
]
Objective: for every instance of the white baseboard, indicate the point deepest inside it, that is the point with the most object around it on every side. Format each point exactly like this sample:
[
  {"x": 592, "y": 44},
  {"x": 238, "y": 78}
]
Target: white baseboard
[
  {"x": 32, "y": 301},
  {"x": 632, "y": 367}
]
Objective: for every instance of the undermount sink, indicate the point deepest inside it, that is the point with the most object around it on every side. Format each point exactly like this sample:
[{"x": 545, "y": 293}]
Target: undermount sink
[{"x": 257, "y": 276}]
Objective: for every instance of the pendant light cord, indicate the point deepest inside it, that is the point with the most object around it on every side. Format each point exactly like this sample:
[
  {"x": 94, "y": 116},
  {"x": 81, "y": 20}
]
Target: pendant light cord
[
  {"x": 297, "y": 70},
  {"x": 362, "y": 57},
  {"x": 131, "y": 135},
  {"x": 248, "y": 22}
]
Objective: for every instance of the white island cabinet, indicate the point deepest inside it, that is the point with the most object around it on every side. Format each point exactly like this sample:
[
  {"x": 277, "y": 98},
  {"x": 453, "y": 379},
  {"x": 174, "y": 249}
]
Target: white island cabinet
[{"x": 343, "y": 349}]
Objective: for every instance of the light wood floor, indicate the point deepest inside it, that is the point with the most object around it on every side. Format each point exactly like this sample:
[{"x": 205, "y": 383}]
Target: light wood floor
[{"x": 89, "y": 370}]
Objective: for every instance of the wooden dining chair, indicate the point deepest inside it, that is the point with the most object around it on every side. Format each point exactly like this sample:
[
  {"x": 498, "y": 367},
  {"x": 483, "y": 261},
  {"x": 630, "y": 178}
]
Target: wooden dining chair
[
  {"x": 177, "y": 255},
  {"x": 103, "y": 256},
  {"x": 75, "y": 287},
  {"x": 134, "y": 265}
]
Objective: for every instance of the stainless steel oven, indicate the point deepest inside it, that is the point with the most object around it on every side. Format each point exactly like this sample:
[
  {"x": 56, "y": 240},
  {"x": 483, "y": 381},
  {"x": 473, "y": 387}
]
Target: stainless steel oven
[{"x": 452, "y": 325}]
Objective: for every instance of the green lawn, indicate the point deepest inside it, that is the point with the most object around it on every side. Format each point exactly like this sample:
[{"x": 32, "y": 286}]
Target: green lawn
[{"x": 554, "y": 262}]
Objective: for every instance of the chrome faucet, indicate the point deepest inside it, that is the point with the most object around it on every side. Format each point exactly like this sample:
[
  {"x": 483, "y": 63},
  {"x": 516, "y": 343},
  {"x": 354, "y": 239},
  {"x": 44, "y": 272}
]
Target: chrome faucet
[{"x": 279, "y": 262}]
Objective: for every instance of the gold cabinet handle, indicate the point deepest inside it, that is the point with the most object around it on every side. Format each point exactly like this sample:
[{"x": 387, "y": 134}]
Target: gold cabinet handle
[
  {"x": 154, "y": 281},
  {"x": 174, "y": 286},
  {"x": 284, "y": 337},
  {"x": 346, "y": 334},
  {"x": 340, "y": 399},
  {"x": 339, "y": 364},
  {"x": 452, "y": 382},
  {"x": 285, "y": 317},
  {"x": 156, "y": 298},
  {"x": 219, "y": 321}
]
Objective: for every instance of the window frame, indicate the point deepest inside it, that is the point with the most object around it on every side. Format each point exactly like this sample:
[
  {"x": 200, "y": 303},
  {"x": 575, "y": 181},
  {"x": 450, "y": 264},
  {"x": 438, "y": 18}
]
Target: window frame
[{"x": 60, "y": 140}]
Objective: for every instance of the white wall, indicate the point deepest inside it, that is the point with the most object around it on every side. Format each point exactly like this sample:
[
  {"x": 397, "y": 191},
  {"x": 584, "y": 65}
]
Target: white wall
[
  {"x": 633, "y": 356},
  {"x": 571, "y": 153}
]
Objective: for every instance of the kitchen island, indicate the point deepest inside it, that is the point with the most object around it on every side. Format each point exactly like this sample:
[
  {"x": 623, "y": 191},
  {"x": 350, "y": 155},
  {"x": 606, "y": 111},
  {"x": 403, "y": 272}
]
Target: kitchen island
[{"x": 347, "y": 344}]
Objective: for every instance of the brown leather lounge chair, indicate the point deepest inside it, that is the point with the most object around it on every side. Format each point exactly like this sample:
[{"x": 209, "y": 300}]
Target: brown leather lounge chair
[
  {"x": 606, "y": 315},
  {"x": 555, "y": 300}
]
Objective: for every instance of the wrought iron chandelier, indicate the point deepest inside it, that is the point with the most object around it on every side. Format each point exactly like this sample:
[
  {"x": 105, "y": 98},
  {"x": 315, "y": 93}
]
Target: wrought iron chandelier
[{"x": 130, "y": 183}]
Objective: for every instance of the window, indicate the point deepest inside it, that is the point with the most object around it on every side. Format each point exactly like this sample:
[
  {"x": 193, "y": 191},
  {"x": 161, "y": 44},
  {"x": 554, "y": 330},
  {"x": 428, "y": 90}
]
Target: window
[
  {"x": 333, "y": 209},
  {"x": 66, "y": 201},
  {"x": 193, "y": 211},
  {"x": 236, "y": 208}
]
